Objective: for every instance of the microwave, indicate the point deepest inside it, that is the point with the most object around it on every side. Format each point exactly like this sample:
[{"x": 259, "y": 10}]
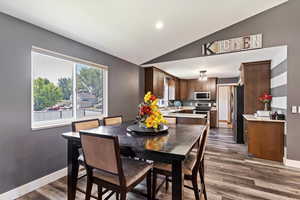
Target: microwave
[{"x": 201, "y": 95}]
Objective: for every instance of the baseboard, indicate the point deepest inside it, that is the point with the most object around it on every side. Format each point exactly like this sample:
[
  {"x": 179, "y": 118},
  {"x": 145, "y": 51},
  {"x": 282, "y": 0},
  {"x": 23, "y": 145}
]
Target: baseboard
[
  {"x": 31, "y": 186},
  {"x": 292, "y": 163}
]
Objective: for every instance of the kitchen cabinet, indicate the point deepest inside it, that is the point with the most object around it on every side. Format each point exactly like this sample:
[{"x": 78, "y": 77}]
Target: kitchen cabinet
[
  {"x": 265, "y": 139},
  {"x": 213, "y": 118},
  {"x": 255, "y": 76},
  {"x": 194, "y": 85},
  {"x": 155, "y": 82},
  {"x": 183, "y": 89}
]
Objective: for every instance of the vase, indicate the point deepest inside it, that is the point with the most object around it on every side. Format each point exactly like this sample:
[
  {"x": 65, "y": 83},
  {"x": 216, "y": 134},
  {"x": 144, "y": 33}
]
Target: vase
[{"x": 266, "y": 107}]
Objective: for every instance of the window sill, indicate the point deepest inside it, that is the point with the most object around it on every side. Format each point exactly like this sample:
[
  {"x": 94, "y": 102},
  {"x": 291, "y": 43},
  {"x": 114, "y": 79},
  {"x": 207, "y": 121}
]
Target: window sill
[{"x": 61, "y": 123}]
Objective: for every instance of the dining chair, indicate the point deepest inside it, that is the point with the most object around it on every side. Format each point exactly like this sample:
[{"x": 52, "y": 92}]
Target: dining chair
[
  {"x": 112, "y": 120},
  {"x": 110, "y": 170},
  {"x": 84, "y": 125},
  {"x": 171, "y": 120},
  {"x": 116, "y": 120},
  {"x": 193, "y": 164}
]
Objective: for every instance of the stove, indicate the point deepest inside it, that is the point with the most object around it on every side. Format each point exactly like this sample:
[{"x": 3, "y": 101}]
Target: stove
[{"x": 202, "y": 106}]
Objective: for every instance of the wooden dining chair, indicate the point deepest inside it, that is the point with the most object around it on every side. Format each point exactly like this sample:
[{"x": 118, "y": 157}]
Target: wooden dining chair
[
  {"x": 113, "y": 120},
  {"x": 84, "y": 125},
  {"x": 110, "y": 170},
  {"x": 192, "y": 165}
]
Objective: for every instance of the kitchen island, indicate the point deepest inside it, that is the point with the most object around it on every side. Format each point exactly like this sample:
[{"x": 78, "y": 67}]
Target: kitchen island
[
  {"x": 185, "y": 115},
  {"x": 265, "y": 137}
]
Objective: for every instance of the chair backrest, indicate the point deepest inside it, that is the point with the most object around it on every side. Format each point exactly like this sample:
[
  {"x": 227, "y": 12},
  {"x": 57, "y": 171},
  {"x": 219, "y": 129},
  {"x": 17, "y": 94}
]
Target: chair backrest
[
  {"x": 102, "y": 152},
  {"x": 201, "y": 148},
  {"x": 109, "y": 121},
  {"x": 85, "y": 124},
  {"x": 171, "y": 120}
]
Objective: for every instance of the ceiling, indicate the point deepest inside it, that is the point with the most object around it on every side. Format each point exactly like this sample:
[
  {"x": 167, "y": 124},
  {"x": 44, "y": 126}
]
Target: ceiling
[
  {"x": 126, "y": 28},
  {"x": 221, "y": 66}
]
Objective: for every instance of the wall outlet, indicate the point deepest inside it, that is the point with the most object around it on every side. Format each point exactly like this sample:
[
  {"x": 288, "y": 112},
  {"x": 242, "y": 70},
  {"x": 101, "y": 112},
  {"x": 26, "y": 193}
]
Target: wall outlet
[{"x": 294, "y": 109}]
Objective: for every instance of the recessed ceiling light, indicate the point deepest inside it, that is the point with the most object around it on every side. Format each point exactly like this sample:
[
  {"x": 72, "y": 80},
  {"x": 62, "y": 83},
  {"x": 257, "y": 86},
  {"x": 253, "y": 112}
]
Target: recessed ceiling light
[{"x": 159, "y": 25}]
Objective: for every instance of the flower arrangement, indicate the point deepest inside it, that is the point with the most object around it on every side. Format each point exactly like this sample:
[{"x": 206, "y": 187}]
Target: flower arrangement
[
  {"x": 266, "y": 99},
  {"x": 149, "y": 114}
]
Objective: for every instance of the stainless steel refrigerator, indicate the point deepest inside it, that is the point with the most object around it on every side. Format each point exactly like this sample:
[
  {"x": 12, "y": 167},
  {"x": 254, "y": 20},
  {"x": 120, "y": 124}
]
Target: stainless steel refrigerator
[{"x": 238, "y": 110}]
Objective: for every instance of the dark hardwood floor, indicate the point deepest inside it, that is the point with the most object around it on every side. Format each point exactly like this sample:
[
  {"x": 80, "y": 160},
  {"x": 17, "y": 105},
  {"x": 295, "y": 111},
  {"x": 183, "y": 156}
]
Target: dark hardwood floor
[{"x": 230, "y": 175}]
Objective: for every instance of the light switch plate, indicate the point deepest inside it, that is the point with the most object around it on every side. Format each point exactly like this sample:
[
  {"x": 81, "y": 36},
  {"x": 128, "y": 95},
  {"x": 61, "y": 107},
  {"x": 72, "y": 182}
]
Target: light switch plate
[
  {"x": 298, "y": 109},
  {"x": 294, "y": 109}
]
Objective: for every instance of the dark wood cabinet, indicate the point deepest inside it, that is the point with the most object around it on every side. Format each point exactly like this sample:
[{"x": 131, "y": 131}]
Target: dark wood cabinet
[
  {"x": 194, "y": 85},
  {"x": 184, "y": 88},
  {"x": 266, "y": 140},
  {"x": 255, "y": 76},
  {"x": 155, "y": 82},
  {"x": 213, "y": 118},
  {"x": 212, "y": 87}
]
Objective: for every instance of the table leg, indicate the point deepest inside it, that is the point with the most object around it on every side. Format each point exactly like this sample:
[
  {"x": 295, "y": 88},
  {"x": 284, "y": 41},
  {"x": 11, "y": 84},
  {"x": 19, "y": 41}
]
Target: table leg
[
  {"x": 177, "y": 180},
  {"x": 73, "y": 167}
]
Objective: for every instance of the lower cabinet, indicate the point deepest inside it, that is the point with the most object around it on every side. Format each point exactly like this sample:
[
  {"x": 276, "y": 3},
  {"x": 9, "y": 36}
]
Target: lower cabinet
[
  {"x": 213, "y": 118},
  {"x": 265, "y": 140},
  {"x": 187, "y": 120}
]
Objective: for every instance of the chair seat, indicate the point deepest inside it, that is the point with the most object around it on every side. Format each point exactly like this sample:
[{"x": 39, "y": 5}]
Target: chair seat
[
  {"x": 188, "y": 164},
  {"x": 133, "y": 170}
]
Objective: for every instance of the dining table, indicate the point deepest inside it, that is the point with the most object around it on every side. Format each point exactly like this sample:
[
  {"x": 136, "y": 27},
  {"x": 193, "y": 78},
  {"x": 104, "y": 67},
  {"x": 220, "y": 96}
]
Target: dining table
[{"x": 171, "y": 148}]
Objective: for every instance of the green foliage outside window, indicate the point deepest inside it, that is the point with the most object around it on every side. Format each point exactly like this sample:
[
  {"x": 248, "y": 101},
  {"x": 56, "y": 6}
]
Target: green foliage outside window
[{"x": 46, "y": 94}]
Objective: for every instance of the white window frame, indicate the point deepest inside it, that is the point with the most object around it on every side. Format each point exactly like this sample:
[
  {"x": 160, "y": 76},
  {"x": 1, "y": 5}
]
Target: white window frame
[{"x": 64, "y": 122}]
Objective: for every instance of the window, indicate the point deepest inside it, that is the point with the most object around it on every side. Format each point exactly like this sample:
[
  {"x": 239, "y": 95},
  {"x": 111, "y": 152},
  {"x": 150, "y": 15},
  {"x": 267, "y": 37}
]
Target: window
[{"x": 65, "y": 89}]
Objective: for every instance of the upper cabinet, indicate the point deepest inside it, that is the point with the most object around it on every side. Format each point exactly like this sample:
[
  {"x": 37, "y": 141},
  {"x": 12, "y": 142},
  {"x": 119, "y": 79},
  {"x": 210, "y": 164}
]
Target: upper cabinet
[
  {"x": 154, "y": 81},
  {"x": 161, "y": 83},
  {"x": 255, "y": 76},
  {"x": 194, "y": 85},
  {"x": 183, "y": 90}
]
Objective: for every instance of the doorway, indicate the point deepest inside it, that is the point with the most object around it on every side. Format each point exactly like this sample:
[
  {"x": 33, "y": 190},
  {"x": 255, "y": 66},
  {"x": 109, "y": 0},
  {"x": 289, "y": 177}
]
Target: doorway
[{"x": 225, "y": 103}]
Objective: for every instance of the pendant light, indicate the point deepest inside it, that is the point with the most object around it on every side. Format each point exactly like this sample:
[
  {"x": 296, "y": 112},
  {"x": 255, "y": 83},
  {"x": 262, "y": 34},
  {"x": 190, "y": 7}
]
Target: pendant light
[{"x": 203, "y": 76}]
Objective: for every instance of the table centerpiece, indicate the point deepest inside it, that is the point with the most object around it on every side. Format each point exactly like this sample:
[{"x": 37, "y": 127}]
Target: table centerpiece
[{"x": 150, "y": 119}]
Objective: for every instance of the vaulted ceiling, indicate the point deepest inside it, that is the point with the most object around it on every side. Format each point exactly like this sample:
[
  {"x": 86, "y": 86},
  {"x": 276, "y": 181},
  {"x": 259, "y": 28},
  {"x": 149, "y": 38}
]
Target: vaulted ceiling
[{"x": 126, "y": 28}]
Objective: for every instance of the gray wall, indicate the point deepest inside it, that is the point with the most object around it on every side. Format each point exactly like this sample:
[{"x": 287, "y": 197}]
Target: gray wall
[
  {"x": 279, "y": 86},
  {"x": 25, "y": 154},
  {"x": 279, "y": 26}
]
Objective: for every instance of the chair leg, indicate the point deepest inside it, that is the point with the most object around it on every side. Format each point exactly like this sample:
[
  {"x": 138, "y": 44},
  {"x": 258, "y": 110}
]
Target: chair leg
[
  {"x": 201, "y": 172},
  {"x": 154, "y": 184},
  {"x": 117, "y": 196},
  {"x": 123, "y": 195},
  {"x": 149, "y": 185},
  {"x": 167, "y": 183},
  {"x": 89, "y": 186},
  {"x": 195, "y": 186},
  {"x": 100, "y": 192}
]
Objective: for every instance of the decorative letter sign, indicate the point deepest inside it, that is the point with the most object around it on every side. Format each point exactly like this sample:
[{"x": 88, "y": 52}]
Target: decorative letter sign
[{"x": 232, "y": 45}]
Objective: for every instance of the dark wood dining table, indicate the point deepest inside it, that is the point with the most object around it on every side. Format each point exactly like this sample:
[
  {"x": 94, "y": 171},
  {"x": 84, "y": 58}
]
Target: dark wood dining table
[{"x": 171, "y": 148}]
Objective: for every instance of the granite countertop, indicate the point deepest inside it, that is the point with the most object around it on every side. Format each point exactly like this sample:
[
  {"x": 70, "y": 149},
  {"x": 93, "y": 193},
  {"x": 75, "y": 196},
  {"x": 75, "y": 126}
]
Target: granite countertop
[{"x": 262, "y": 119}]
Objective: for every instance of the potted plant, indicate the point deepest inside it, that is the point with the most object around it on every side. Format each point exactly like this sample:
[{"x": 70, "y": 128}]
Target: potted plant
[{"x": 266, "y": 99}]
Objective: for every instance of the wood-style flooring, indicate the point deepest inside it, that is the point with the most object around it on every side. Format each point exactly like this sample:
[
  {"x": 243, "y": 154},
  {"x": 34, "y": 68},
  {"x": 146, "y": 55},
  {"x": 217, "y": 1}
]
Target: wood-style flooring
[{"x": 230, "y": 175}]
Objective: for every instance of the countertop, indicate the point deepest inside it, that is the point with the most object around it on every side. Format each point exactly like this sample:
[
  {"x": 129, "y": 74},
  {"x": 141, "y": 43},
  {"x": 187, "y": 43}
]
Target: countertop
[
  {"x": 184, "y": 115},
  {"x": 172, "y": 112},
  {"x": 261, "y": 119}
]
